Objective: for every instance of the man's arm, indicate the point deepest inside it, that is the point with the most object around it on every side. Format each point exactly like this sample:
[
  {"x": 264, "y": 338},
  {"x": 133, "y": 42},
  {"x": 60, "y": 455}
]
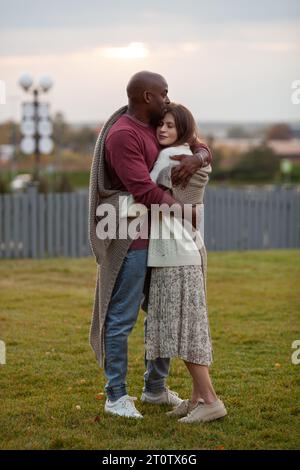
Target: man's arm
[{"x": 182, "y": 173}]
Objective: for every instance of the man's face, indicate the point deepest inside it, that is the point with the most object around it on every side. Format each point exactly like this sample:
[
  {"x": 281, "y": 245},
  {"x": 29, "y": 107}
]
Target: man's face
[{"x": 159, "y": 101}]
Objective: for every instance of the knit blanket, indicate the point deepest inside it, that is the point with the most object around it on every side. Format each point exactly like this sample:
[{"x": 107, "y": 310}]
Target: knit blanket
[{"x": 109, "y": 253}]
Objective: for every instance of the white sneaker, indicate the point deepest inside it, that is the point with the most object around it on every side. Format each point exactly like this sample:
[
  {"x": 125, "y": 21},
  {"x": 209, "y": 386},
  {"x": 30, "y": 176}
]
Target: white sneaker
[
  {"x": 204, "y": 412},
  {"x": 167, "y": 397},
  {"x": 124, "y": 406}
]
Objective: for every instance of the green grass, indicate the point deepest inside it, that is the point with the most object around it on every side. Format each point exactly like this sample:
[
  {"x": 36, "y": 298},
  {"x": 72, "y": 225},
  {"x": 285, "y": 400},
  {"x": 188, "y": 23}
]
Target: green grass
[
  {"x": 78, "y": 179},
  {"x": 44, "y": 319}
]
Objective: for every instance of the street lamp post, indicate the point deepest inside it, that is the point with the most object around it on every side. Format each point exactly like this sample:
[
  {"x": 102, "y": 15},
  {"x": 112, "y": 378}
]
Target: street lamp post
[
  {"x": 36, "y": 124},
  {"x": 36, "y": 135}
]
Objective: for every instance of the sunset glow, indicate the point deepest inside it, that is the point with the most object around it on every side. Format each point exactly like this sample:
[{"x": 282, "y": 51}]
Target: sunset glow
[{"x": 134, "y": 50}]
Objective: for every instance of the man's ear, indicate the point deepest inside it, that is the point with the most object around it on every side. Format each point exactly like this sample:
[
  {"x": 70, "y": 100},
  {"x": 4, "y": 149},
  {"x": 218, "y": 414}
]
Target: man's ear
[{"x": 147, "y": 96}]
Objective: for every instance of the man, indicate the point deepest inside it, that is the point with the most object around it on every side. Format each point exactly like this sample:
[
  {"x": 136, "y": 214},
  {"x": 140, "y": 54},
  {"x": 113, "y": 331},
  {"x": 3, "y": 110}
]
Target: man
[{"x": 129, "y": 147}]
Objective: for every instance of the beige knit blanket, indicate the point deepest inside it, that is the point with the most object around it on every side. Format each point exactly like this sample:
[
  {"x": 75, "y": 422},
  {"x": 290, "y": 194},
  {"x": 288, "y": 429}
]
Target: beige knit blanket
[{"x": 109, "y": 253}]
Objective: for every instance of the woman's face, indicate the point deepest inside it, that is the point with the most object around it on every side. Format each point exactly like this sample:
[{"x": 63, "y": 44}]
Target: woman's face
[{"x": 166, "y": 131}]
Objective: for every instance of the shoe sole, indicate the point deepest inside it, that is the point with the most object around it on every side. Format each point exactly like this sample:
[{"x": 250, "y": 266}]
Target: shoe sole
[
  {"x": 122, "y": 416},
  {"x": 172, "y": 415}
]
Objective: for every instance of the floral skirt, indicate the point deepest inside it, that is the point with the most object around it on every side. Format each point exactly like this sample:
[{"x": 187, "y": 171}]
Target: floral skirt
[{"x": 177, "y": 320}]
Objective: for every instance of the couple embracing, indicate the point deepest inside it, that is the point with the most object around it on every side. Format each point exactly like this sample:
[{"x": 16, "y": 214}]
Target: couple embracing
[{"x": 148, "y": 153}]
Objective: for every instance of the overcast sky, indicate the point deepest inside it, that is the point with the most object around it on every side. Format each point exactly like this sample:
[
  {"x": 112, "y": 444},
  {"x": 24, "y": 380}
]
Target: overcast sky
[{"x": 232, "y": 60}]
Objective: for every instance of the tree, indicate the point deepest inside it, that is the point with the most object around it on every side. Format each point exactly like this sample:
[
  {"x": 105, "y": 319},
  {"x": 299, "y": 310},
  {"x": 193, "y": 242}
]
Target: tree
[
  {"x": 279, "y": 132},
  {"x": 62, "y": 133},
  {"x": 218, "y": 173},
  {"x": 9, "y": 133},
  {"x": 237, "y": 132},
  {"x": 258, "y": 164},
  {"x": 83, "y": 140}
]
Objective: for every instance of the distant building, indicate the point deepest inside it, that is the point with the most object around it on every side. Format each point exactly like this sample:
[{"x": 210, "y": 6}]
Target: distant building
[
  {"x": 285, "y": 148},
  {"x": 237, "y": 145},
  {"x": 6, "y": 152},
  {"x": 296, "y": 131}
]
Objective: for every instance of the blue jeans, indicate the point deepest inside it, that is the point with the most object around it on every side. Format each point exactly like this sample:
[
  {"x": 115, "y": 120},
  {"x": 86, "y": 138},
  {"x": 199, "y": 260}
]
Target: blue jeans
[{"x": 121, "y": 317}]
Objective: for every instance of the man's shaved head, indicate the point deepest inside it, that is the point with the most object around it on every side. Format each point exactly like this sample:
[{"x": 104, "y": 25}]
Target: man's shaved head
[
  {"x": 144, "y": 81},
  {"x": 147, "y": 96}
]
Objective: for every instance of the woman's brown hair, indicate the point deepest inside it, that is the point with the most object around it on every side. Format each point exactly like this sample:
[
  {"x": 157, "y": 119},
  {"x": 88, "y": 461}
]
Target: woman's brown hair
[{"x": 187, "y": 130}]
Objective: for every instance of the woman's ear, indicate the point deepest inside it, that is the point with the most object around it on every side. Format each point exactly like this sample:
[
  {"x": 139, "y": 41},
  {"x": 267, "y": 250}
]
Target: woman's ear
[{"x": 147, "y": 96}]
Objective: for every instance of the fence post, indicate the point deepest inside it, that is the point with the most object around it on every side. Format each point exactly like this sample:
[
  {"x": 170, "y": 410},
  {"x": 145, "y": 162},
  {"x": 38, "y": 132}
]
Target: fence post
[{"x": 32, "y": 196}]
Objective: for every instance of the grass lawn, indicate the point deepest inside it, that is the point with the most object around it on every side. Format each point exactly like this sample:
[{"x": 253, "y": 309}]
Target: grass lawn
[{"x": 51, "y": 387}]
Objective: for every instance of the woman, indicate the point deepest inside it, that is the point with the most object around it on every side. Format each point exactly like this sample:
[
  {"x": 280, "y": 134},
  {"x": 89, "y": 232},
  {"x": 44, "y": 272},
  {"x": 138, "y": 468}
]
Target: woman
[{"x": 177, "y": 320}]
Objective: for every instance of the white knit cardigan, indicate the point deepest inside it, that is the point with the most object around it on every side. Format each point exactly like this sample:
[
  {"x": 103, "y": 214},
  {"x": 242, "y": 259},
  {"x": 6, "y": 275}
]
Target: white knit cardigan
[{"x": 171, "y": 244}]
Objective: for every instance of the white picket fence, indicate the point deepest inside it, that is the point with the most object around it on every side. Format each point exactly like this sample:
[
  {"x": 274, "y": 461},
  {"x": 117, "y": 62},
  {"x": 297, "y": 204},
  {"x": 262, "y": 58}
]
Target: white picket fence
[{"x": 34, "y": 225}]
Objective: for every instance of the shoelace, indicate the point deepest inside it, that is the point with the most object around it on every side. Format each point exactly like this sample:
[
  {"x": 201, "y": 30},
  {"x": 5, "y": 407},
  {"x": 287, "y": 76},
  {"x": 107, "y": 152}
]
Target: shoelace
[
  {"x": 171, "y": 393},
  {"x": 196, "y": 406},
  {"x": 174, "y": 394},
  {"x": 129, "y": 400},
  {"x": 184, "y": 405}
]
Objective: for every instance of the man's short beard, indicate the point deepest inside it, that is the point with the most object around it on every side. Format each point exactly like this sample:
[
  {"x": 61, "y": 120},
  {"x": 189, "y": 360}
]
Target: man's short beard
[{"x": 155, "y": 120}]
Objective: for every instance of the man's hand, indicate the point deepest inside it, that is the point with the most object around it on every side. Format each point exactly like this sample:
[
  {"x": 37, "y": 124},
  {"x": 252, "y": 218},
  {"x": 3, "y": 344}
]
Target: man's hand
[{"x": 181, "y": 174}]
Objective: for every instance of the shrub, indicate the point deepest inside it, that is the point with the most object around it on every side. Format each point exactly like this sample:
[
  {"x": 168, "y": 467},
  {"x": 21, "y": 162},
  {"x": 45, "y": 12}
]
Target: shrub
[{"x": 63, "y": 185}]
